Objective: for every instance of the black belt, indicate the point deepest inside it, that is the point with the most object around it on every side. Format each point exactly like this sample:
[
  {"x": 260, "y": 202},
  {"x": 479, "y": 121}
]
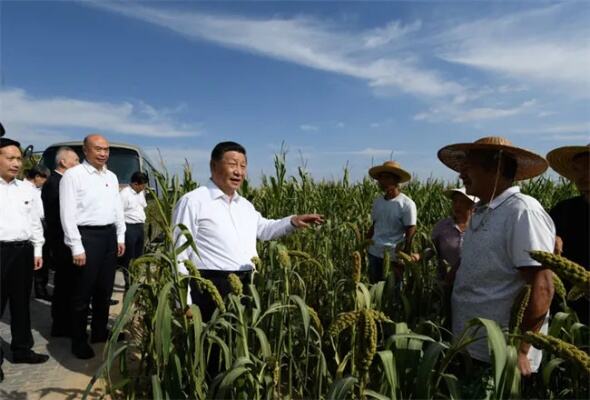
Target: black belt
[
  {"x": 96, "y": 227},
  {"x": 134, "y": 223},
  {"x": 215, "y": 273},
  {"x": 16, "y": 243}
]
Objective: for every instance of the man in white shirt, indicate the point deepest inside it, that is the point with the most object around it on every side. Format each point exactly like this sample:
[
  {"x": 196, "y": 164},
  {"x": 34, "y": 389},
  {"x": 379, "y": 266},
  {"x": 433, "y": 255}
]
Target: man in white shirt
[
  {"x": 94, "y": 230},
  {"x": 394, "y": 218},
  {"x": 36, "y": 178},
  {"x": 505, "y": 225},
  {"x": 225, "y": 226},
  {"x": 60, "y": 254},
  {"x": 134, "y": 203},
  {"x": 21, "y": 243}
]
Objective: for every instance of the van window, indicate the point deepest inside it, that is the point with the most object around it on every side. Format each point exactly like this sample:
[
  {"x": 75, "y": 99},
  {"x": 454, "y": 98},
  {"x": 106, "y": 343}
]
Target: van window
[{"x": 123, "y": 162}]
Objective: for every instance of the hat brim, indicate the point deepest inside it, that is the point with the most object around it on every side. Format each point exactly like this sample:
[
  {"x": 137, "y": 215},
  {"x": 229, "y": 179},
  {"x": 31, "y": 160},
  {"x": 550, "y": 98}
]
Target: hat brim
[
  {"x": 560, "y": 159},
  {"x": 403, "y": 175},
  {"x": 529, "y": 164},
  {"x": 450, "y": 192}
]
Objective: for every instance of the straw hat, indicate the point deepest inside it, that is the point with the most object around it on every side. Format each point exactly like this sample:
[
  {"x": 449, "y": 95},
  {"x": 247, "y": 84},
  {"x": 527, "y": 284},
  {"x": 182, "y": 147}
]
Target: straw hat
[
  {"x": 450, "y": 192},
  {"x": 560, "y": 159},
  {"x": 529, "y": 164},
  {"x": 392, "y": 167}
]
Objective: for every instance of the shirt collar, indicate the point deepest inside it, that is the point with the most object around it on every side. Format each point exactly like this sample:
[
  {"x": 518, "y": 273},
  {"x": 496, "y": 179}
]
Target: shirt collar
[
  {"x": 496, "y": 201},
  {"x": 217, "y": 193},
  {"x": 12, "y": 182},
  {"x": 91, "y": 169}
]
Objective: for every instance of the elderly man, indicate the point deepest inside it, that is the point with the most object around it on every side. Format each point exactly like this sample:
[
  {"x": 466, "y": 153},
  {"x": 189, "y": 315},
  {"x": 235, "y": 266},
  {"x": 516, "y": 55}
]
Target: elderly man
[
  {"x": 94, "y": 229},
  {"x": 21, "y": 243},
  {"x": 225, "y": 226},
  {"x": 394, "y": 218},
  {"x": 572, "y": 216},
  {"x": 506, "y": 224},
  {"x": 61, "y": 255}
]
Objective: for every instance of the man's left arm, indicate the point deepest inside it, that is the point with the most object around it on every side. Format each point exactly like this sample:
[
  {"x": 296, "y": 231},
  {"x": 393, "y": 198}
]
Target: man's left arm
[
  {"x": 541, "y": 281},
  {"x": 532, "y": 229},
  {"x": 37, "y": 237},
  {"x": 409, "y": 220},
  {"x": 269, "y": 229}
]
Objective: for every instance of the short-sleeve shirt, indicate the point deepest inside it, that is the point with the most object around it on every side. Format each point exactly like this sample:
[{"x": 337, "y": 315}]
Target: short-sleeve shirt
[
  {"x": 448, "y": 239},
  {"x": 390, "y": 217},
  {"x": 495, "y": 246}
]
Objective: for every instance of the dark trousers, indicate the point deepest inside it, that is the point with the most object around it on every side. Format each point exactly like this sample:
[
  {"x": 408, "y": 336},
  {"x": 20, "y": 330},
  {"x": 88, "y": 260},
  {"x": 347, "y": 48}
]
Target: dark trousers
[
  {"x": 94, "y": 281},
  {"x": 63, "y": 285},
  {"x": 221, "y": 282},
  {"x": 207, "y": 306},
  {"x": 376, "y": 269},
  {"x": 16, "y": 280},
  {"x": 134, "y": 239},
  {"x": 41, "y": 276}
]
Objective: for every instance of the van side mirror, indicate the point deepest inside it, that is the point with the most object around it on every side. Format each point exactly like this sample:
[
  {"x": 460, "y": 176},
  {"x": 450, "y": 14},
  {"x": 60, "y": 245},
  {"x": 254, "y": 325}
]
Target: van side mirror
[{"x": 28, "y": 151}]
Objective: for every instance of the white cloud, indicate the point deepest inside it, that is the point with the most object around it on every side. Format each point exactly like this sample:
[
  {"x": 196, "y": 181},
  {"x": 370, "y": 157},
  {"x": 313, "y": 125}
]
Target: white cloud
[
  {"x": 44, "y": 120},
  {"x": 458, "y": 114},
  {"x": 371, "y": 152},
  {"x": 548, "y": 46},
  {"x": 308, "y": 128},
  {"x": 567, "y": 129},
  {"x": 375, "y": 125},
  {"x": 308, "y": 42}
]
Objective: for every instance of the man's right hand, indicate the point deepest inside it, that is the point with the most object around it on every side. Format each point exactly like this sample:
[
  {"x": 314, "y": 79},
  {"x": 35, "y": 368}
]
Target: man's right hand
[{"x": 80, "y": 260}]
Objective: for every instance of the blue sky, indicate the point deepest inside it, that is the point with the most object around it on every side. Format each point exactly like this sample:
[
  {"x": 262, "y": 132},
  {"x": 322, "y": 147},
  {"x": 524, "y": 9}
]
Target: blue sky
[{"x": 340, "y": 83}]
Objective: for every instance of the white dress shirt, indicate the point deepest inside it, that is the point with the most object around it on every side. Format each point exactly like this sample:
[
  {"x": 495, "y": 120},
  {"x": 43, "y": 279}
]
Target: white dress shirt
[
  {"x": 224, "y": 231},
  {"x": 19, "y": 215},
  {"x": 133, "y": 204},
  {"x": 37, "y": 191},
  {"x": 89, "y": 197}
]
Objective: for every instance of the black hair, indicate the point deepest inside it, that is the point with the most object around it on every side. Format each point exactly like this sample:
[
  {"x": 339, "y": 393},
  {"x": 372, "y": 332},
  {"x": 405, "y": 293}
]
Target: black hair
[
  {"x": 221, "y": 148},
  {"x": 5, "y": 142},
  {"x": 489, "y": 161},
  {"x": 37, "y": 170},
  {"x": 139, "y": 178}
]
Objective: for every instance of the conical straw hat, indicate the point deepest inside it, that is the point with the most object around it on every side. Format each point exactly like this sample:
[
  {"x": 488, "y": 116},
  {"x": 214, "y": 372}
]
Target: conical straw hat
[
  {"x": 529, "y": 164},
  {"x": 561, "y": 159},
  {"x": 392, "y": 167}
]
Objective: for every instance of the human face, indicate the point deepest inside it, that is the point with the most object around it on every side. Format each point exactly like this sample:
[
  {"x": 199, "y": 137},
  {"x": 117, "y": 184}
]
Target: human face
[
  {"x": 39, "y": 181},
  {"x": 387, "y": 180},
  {"x": 11, "y": 161},
  {"x": 581, "y": 173},
  {"x": 97, "y": 151},
  {"x": 70, "y": 159},
  {"x": 229, "y": 172},
  {"x": 461, "y": 206},
  {"x": 477, "y": 180},
  {"x": 138, "y": 187}
]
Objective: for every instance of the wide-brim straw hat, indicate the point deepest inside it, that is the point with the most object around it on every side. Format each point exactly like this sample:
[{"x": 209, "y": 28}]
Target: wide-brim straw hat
[
  {"x": 450, "y": 192},
  {"x": 392, "y": 167},
  {"x": 561, "y": 159},
  {"x": 528, "y": 163}
]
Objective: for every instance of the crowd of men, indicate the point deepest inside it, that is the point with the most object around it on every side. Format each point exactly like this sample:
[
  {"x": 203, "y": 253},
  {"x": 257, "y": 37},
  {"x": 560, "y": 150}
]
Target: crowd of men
[
  {"x": 89, "y": 223},
  {"x": 75, "y": 220}
]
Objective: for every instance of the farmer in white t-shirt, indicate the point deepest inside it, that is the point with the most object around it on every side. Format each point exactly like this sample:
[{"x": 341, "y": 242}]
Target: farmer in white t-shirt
[
  {"x": 504, "y": 227},
  {"x": 393, "y": 215}
]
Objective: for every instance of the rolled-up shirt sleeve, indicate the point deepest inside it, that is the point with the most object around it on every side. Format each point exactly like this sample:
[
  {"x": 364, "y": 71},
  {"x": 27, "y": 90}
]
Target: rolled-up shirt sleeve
[
  {"x": 269, "y": 229},
  {"x": 68, "y": 214},
  {"x": 531, "y": 230},
  {"x": 410, "y": 214}
]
